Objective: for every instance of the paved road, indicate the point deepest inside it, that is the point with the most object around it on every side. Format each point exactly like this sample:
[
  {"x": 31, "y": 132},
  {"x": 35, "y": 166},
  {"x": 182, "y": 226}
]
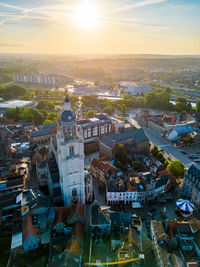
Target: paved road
[
  {"x": 99, "y": 198},
  {"x": 167, "y": 147},
  {"x": 173, "y": 151}
]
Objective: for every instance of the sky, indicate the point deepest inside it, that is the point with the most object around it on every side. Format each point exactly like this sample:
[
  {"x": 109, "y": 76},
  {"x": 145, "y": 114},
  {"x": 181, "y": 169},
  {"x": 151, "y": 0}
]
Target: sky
[{"x": 100, "y": 26}]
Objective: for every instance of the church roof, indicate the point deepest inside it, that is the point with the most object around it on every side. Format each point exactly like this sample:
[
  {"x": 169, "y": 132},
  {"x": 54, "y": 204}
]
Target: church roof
[{"x": 68, "y": 116}]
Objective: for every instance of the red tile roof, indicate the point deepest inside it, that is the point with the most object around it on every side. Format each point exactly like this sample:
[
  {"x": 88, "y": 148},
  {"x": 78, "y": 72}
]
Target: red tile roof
[
  {"x": 172, "y": 228},
  {"x": 104, "y": 166},
  {"x": 29, "y": 229},
  {"x": 192, "y": 264},
  {"x": 61, "y": 215},
  {"x": 79, "y": 209}
]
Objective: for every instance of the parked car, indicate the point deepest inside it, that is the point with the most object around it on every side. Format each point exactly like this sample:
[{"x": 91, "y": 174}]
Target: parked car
[
  {"x": 197, "y": 160},
  {"x": 193, "y": 156},
  {"x": 182, "y": 151}
]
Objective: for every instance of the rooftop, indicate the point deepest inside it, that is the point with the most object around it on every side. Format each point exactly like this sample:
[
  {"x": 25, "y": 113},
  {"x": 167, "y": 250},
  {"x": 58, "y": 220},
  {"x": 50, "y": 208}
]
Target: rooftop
[
  {"x": 16, "y": 240},
  {"x": 137, "y": 135},
  {"x": 16, "y": 103},
  {"x": 41, "y": 132}
]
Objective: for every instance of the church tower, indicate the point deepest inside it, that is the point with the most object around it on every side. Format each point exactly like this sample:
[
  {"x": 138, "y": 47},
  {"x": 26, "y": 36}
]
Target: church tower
[{"x": 70, "y": 155}]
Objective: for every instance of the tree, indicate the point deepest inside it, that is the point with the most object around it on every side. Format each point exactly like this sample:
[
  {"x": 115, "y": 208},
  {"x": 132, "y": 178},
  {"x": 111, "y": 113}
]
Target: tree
[
  {"x": 14, "y": 91},
  {"x": 159, "y": 100},
  {"x": 168, "y": 90},
  {"x": 155, "y": 151},
  {"x": 109, "y": 110},
  {"x": 181, "y": 100},
  {"x": 136, "y": 164},
  {"x": 188, "y": 140},
  {"x": 159, "y": 155},
  {"x": 47, "y": 121},
  {"x": 123, "y": 109},
  {"x": 177, "y": 168},
  {"x": 198, "y": 105},
  {"x": 90, "y": 113},
  {"x": 13, "y": 113},
  {"x": 121, "y": 155},
  {"x": 45, "y": 104},
  {"x": 180, "y": 106}
]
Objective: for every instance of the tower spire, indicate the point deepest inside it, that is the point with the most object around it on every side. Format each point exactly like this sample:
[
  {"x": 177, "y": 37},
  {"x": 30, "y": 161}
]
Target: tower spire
[{"x": 67, "y": 104}]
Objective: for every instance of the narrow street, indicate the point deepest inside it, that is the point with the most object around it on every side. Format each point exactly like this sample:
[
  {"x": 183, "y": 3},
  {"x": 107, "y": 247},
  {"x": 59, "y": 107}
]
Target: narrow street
[
  {"x": 99, "y": 198},
  {"x": 171, "y": 150},
  {"x": 87, "y": 239},
  {"x": 167, "y": 147}
]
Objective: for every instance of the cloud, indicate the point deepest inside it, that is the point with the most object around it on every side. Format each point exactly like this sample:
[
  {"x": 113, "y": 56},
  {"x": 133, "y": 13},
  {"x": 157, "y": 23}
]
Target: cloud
[
  {"x": 137, "y": 4},
  {"x": 52, "y": 13},
  {"x": 58, "y": 13},
  {"x": 13, "y": 7},
  {"x": 10, "y": 45},
  {"x": 137, "y": 25}
]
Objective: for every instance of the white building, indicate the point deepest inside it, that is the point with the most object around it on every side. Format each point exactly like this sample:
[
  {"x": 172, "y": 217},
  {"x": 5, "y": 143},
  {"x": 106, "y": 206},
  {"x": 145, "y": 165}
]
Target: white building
[
  {"x": 68, "y": 149},
  {"x": 42, "y": 79},
  {"x": 135, "y": 88}
]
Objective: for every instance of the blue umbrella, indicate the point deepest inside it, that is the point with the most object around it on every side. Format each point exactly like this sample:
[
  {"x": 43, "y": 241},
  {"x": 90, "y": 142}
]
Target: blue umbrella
[{"x": 185, "y": 205}]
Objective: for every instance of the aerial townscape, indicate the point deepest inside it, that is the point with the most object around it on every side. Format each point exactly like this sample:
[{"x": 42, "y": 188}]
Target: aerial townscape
[{"x": 99, "y": 133}]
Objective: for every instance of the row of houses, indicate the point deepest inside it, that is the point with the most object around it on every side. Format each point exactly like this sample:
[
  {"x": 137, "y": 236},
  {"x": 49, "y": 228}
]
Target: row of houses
[
  {"x": 12, "y": 182},
  {"x": 93, "y": 128},
  {"x": 61, "y": 227},
  {"x": 171, "y": 126},
  {"x": 123, "y": 230},
  {"x": 131, "y": 187},
  {"x": 176, "y": 243}
]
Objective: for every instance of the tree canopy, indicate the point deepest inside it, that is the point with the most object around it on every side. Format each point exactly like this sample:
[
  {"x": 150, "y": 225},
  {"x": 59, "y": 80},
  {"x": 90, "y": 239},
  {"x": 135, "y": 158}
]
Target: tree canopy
[
  {"x": 159, "y": 155},
  {"x": 109, "y": 110},
  {"x": 31, "y": 115},
  {"x": 12, "y": 91},
  {"x": 198, "y": 105},
  {"x": 121, "y": 156},
  {"x": 177, "y": 168}
]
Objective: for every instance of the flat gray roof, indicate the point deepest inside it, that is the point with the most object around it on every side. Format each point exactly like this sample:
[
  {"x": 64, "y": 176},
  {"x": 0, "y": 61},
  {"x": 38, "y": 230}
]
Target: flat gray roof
[{"x": 16, "y": 103}]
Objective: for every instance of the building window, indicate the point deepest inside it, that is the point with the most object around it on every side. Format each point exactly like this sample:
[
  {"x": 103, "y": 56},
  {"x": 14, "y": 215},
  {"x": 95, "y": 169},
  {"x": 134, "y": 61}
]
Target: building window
[
  {"x": 71, "y": 150},
  {"x": 74, "y": 192}
]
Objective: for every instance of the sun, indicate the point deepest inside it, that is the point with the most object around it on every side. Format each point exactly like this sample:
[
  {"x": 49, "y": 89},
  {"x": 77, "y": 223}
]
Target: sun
[{"x": 87, "y": 15}]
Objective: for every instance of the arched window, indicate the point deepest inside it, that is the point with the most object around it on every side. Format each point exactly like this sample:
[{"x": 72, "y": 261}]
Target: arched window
[{"x": 74, "y": 192}]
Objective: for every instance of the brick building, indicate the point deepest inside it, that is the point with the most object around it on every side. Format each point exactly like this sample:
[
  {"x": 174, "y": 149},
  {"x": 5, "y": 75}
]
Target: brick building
[{"x": 108, "y": 144}]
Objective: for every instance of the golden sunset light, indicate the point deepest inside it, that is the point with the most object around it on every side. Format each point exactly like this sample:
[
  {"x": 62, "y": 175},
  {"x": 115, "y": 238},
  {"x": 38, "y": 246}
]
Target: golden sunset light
[
  {"x": 100, "y": 133},
  {"x": 87, "y": 15}
]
